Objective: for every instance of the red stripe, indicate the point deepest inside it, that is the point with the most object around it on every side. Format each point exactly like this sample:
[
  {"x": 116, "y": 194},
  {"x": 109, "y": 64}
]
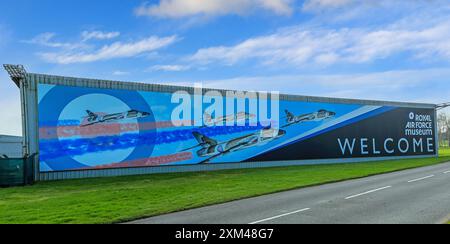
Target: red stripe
[
  {"x": 100, "y": 129},
  {"x": 147, "y": 162}
]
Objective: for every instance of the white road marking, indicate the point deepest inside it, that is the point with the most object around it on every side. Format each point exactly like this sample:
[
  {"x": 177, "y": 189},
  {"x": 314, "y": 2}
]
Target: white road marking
[
  {"x": 446, "y": 172},
  {"x": 423, "y": 178},
  {"x": 368, "y": 192},
  {"x": 279, "y": 216}
]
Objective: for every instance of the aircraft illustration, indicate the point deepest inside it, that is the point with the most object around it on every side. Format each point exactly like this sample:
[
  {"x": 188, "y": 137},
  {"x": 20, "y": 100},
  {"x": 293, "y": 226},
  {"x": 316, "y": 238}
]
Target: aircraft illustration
[
  {"x": 320, "y": 115},
  {"x": 99, "y": 118},
  {"x": 223, "y": 120},
  {"x": 212, "y": 149}
]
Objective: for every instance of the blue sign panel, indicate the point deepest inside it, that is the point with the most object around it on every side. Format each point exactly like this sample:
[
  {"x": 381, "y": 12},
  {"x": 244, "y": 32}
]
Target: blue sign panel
[{"x": 89, "y": 128}]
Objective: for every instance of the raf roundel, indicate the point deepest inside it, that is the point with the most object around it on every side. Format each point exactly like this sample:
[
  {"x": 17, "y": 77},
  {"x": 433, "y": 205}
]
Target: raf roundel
[{"x": 50, "y": 112}]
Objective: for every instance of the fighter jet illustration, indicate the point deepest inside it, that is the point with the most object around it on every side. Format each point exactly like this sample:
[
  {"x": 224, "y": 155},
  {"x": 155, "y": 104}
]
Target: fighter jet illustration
[
  {"x": 212, "y": 149},
  {"x": 320, "y": 115},
  {"x": 99, "y": 118},
  {"x": 223, "y": 120}
]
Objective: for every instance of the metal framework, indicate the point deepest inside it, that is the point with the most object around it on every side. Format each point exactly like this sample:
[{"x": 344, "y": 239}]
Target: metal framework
[
  {"x": 442, "y": 106},
  {"x": 16, "y": 72}
]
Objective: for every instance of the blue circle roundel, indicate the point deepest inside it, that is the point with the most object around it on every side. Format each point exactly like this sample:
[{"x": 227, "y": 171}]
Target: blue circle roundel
[{"x": 52, "y": 105}]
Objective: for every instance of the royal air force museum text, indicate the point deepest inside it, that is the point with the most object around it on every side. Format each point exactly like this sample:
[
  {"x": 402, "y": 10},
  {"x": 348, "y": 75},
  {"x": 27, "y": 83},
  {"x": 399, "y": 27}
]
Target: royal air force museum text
[{"x": 418, "y": 138}]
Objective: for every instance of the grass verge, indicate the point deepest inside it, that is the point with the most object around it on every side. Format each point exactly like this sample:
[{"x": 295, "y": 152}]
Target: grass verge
[{"x": 118, "y": 199}]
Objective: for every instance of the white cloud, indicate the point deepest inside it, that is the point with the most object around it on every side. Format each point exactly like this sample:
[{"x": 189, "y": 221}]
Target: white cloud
[
  {"x": 303, "y": 45},
  {"x": 425, "y": 85},
  {"x": 318, "y": 5},
  {"x": 99, "y": 35},
  {"x": 372, "y": 12},
  {"x": 187, "y": 8},
  {"x": 112, "y": 51},
  {"x": 169, "y": 68},
  {"x": 47, "y": 40},
  {"x": 120, "y": 73},
  {"x": 281, "y": 7}
]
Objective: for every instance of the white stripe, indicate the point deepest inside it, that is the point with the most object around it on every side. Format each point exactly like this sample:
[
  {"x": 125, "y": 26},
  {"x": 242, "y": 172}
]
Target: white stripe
[
  {"x": 367, "y": 192},
  {"x": 423, "y": 178},
  {"x": 351, "y": 115},
  {"x": 446, "y": 172},
  {"x": 279, "y": 216}
]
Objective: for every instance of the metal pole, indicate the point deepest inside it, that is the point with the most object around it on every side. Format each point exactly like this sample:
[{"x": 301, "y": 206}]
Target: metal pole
[
  {"x": 23, "y": 98},
  {"x": 20, "y": 77}
]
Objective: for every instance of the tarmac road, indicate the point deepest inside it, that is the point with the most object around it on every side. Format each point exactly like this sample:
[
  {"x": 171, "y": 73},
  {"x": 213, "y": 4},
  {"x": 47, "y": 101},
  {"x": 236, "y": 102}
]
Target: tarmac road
[{"x": 417, "y": 196}]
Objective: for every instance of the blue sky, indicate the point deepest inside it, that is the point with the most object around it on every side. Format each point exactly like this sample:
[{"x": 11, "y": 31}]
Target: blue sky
[{"x": 393, "y": 50}]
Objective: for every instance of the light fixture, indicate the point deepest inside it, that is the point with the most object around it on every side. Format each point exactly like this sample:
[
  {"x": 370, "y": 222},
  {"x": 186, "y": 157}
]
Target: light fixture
[{"x": 16, "y": 72}]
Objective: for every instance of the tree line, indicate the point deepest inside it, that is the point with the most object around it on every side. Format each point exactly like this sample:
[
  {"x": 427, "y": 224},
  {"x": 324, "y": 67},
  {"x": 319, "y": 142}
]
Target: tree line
[{"x": 444, "y": 129}]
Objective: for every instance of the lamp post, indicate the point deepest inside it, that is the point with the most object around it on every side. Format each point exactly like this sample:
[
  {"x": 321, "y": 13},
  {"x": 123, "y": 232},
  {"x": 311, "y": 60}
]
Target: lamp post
[{"x": 18, "y": 76}]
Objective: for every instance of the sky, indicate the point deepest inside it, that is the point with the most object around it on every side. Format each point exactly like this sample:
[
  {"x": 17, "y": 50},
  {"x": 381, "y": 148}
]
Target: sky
[{"x": 382, "y": 50}]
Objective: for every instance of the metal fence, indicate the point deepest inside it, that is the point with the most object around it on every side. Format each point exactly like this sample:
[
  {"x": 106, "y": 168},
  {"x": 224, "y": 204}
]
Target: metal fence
[{"x": 16, "y": 171}]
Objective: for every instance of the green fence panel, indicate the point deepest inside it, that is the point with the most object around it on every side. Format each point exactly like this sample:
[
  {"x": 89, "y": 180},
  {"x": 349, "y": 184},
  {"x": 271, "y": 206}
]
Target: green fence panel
[{"x": 16, "y": 171}]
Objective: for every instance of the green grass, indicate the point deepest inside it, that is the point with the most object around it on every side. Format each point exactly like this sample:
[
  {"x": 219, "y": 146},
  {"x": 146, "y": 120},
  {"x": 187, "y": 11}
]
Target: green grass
[{"x": 112, "y": 200}]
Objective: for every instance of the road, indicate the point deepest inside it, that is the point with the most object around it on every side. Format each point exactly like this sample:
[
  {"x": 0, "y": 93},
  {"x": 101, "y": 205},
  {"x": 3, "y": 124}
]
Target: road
[{"x": 417, "y": 196}]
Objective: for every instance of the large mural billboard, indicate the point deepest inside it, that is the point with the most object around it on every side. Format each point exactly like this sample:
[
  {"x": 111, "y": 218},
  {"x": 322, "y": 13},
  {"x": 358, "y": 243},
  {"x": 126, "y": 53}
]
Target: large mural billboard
[{"x": 89, "y": 128}]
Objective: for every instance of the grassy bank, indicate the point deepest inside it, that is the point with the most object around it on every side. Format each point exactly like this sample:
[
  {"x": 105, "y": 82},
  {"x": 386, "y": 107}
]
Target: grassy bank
[{"x": 111, "y": 200}]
